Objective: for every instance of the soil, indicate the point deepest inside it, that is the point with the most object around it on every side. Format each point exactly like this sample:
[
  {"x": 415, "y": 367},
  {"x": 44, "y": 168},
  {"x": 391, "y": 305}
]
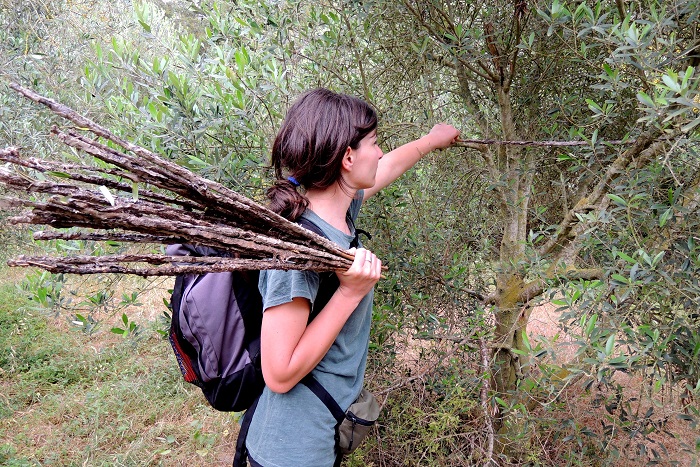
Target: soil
[{"x": 589, "y": 408}]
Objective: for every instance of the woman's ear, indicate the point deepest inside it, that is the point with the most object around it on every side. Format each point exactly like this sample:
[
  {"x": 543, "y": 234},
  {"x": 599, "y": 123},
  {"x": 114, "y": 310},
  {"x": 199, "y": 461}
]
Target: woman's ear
[{"x": 348, "y": 158}]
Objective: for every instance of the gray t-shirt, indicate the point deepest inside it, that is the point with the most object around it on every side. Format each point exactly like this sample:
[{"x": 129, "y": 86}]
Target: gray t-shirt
[{"x": 296, "y": 429}]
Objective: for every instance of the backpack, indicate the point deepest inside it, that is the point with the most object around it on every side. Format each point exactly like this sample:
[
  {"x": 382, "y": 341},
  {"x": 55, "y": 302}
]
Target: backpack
[
  {"x": 215, "y": 328},
  {"x": 215, "y": 335}
]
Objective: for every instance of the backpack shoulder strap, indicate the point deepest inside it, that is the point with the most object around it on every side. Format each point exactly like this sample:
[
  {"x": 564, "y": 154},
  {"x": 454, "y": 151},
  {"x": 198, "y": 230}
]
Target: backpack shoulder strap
[
  {"x": 311, "y": 225},
  {"x": 328, "y": 281},
  {"x": 240, "y": 459},
  {"x": 315, "y": 387},
  {"x": 328, "y": 285}
]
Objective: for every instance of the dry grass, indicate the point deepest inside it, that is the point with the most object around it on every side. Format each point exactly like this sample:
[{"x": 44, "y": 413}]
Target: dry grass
[{"x": 74, "y": 399}]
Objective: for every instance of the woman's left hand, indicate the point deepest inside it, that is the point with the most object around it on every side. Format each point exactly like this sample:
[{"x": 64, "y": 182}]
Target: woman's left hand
[{"x": 443, "y": 135}]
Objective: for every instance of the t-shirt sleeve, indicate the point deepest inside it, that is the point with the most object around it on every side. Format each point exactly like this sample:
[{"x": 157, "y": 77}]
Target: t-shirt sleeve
[{"x": 279, "y": 287}]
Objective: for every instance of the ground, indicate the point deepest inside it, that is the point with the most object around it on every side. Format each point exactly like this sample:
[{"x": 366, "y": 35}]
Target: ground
[{"x": 69, "y": 397}]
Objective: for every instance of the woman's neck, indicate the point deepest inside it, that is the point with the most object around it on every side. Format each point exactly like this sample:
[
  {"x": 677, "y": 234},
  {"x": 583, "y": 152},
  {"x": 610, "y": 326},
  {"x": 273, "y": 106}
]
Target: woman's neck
[{"x": 331, "y": 205}]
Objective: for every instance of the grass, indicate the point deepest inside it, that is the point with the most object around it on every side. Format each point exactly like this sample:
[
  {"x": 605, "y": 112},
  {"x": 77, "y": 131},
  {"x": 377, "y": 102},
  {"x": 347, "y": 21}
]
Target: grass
[{"x": 67, "y": 398}]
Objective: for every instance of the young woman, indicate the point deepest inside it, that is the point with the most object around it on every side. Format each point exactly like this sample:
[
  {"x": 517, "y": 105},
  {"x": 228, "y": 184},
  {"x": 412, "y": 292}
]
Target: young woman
[{"x": 327, "y": 162}]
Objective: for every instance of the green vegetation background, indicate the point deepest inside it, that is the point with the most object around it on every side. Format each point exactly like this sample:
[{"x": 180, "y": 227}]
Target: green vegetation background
[{"x": 87, "y": 378}]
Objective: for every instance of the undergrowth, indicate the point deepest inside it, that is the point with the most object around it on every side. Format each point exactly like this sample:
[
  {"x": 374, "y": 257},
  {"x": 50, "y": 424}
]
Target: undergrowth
[{"x": 71, "y": 399}]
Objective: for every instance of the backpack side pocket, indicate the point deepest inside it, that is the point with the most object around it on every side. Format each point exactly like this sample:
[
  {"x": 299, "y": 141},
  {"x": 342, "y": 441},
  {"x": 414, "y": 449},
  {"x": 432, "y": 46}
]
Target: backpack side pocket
[{"x": 359, "y": 420}]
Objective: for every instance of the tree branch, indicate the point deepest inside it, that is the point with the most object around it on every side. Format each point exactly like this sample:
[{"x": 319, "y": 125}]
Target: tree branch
[
  {"x": 594, "y": 200},
  {"x": 485, "y": 397},
  {"x": 72, "y": 172},
  {"x": 537, "y": 287},
  {"x": 195, "y": 187},
  {"x": 109, "y": 236},
  {"x": 191, "y": 209},
  {"x": 495, "y": 142}
]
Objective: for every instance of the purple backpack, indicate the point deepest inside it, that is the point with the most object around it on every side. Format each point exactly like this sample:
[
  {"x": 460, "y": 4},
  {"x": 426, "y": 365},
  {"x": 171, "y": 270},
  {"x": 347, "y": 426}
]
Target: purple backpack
[{"x": 215, "y": 328}]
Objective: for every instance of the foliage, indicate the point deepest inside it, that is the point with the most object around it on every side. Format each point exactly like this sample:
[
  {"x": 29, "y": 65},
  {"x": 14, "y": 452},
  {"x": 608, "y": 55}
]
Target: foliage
[
  {"x": 42, "y": 44},
  {"x": 447, "y": 433},
  {"x": 203, "y": 100},
  {"x": 475, "y": 236}
]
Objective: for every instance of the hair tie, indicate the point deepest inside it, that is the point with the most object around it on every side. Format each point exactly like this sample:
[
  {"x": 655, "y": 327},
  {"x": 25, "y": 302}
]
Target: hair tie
[{"x": 293, "y": 181}]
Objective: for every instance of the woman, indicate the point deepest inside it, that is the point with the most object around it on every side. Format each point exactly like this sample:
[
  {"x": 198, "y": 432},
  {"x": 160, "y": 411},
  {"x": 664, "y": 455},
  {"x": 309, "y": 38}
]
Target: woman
[{"x": 328, "y": 146}]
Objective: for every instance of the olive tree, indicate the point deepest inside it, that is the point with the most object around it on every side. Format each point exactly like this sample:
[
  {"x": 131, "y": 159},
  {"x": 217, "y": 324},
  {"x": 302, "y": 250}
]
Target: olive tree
[
  {"x": 585, "y": 120},
  {"x": 580, "y": 122}
]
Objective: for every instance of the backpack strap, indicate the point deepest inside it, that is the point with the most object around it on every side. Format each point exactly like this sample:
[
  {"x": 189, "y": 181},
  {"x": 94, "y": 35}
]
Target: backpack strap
[
  {"x": 328, "y": 281},
  {"x": 241, "y": 457},
  {"x": 354, "y": 243},
  {"x": 315, "y": 387},
  {"x": 332, "y": 406}
]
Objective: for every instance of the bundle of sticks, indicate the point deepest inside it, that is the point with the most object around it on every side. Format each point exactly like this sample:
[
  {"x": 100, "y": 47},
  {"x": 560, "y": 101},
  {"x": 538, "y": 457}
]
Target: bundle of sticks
[{"x": 140, "y": 197}]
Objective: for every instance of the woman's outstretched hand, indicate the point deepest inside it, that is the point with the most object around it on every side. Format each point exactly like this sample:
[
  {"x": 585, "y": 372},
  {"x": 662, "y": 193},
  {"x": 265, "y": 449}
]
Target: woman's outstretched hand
[
  {"x": 443, "y": 135},
  {"x": 366, "y": 270}
]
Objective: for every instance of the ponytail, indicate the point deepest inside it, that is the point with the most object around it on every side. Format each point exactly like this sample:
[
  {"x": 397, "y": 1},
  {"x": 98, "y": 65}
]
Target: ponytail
[{"x": 285, "y": 200}]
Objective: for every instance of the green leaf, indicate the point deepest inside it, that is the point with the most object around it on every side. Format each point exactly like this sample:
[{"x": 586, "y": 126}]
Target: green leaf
[
  {"x": 526, "y": 341},
  {"x": 197, "y": 161},
  {"x": 146, "y": 27},
  {"x": 591, "y": 324},
  {"x": 626, "y": 257},
  {"x": 620, "y": 278},
  {"x": 645, "y": 99},
  {"x": 617, "y": 200},
  {"x": 610, "y": 344},
  {"x": 689, "y": 126},
  {"x": 59, "y": 174},
  {"x": 597, "y": 109},
  {"x": 657, "y": 258},
  {"x": 665, "y": 217},
  {"x": 671, "y": 83}
]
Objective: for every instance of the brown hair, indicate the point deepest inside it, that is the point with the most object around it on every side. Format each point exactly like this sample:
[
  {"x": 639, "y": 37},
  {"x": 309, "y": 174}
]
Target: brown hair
[{"x": 318, "y": 129}]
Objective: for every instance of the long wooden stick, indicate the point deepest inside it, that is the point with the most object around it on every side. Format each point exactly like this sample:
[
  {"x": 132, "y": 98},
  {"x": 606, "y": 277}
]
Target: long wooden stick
[
  {"x": 488, "y": 142},
  {"x": 73, "y": 172},
  {"x": 197, "y": 187},
  {"x": 172, "y": 265},
  {"x": 108, "y": 236}
]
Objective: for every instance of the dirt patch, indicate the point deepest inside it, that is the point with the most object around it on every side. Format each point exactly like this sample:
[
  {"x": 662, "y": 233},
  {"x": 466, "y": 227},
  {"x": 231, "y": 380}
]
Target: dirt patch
[
  {"x": 655, "y": 419},
  {"x": 544, "y": 326}
]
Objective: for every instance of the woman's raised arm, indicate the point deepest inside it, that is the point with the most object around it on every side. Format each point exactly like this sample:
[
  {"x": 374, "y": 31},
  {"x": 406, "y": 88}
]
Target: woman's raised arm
[{"x": 400, "y": 160}]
